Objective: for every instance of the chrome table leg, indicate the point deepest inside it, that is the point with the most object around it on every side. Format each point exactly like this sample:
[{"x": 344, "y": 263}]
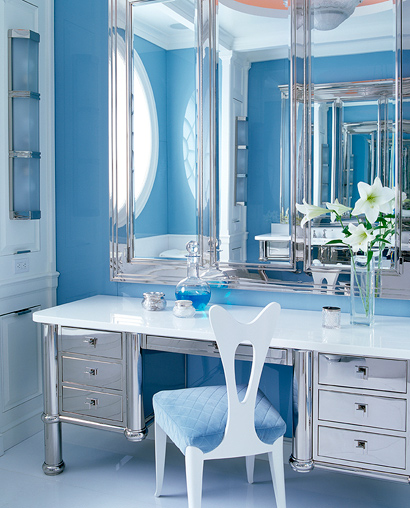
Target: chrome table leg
[
  {"x": 136, "y": 429},
  {"x": 301, "y": 459},
  {"x": 53, "y": 463}
]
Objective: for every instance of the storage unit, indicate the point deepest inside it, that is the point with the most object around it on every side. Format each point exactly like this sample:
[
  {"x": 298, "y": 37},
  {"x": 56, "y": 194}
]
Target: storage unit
[
  {"x": 361, "y": 415},
  {"x": 92, "y": 385}
]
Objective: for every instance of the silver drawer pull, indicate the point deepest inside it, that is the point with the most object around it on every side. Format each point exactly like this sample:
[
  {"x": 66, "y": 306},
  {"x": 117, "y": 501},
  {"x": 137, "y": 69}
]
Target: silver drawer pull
[
  {"x": 91, "y": 402},
  {"x": 360, "y": 444},
  {"x": 91, "y": 372},
  {"x": 92, "y": 341},
  {"x": 361, "y": 407},
  {"x": 363, "y": 371}
]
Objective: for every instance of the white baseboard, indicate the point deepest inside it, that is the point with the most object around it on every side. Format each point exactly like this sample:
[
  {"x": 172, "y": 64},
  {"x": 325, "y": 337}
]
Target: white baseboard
[{"x": 17, "y": 433}]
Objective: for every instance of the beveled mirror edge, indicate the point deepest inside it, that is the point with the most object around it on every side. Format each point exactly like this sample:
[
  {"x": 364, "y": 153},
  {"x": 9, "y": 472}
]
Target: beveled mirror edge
[{"x": 122, "y": 267}]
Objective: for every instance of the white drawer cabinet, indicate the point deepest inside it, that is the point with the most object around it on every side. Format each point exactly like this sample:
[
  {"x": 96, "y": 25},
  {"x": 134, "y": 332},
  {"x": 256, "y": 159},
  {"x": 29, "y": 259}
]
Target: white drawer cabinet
[
  {"x": 361, "y": 414},
  {"x": 364, "y": 448},
  {"x": 360, "y": 409}
]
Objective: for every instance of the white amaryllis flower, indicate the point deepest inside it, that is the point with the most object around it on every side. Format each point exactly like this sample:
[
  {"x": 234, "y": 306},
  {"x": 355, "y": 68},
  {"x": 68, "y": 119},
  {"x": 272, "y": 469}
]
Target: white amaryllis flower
[
  {"x": 337, "y": 208},
  {"x": 360, "y": 238},
  {"x": 372, "y": 199},
  {"x": 309, "y": 211}
]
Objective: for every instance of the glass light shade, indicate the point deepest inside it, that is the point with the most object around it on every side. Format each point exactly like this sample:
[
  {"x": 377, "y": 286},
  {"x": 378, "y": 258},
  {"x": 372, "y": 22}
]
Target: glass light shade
[
  {"x": 329, "y": 14},
  {"x": 241, "y": 190},
  {"x": 25, "y": 123},
  {"x": 24, "y": 74},
  {"x": 242, "y": 132},
  {"x": 242, "y": 162},
  {"x": 26, "y": 187}
]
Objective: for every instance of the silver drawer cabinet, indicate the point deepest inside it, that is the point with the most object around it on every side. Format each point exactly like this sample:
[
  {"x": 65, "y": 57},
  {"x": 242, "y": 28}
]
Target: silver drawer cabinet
[
  {"x": 91, "y": 365},
  {"x": 361, "y": 415}
]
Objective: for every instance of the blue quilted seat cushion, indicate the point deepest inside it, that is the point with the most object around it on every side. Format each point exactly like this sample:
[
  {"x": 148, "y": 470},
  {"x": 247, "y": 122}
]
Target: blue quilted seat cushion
[{"x": 197, "y": 416}]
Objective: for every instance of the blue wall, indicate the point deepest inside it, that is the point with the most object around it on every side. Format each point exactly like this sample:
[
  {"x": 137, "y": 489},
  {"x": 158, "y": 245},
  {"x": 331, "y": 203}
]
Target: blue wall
[
  {"x": 81, "y": 72},
  {"x": 171, "y": 207}
]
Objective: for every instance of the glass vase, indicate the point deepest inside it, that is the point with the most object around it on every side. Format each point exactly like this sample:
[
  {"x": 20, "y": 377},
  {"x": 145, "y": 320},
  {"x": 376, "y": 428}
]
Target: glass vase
[
  {"x": 193, "y": 287},
  {"x": 362, "y": 290}
]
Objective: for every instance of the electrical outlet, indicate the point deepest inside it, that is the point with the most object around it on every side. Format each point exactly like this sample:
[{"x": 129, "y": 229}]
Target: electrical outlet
[{"x": 21, "y": 265}]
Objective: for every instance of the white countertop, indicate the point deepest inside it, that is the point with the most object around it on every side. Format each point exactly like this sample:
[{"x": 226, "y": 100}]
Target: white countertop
[
  {"x": 297, "y": 329},
  {"x": 272, "y": 237}
]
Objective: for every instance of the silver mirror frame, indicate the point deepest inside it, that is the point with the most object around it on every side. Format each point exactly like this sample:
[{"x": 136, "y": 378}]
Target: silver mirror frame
[{"x": 125, "y": 268}]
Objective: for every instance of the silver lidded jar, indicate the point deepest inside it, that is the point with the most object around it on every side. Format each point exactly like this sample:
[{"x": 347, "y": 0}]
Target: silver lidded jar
[
  {"x": 154, "y": 300},
  {"x": 183, "y": 309},
  {"x": 331, "y": 317}
]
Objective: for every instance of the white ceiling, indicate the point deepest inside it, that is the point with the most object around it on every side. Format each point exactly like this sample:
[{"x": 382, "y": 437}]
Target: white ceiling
[{"x": 261, "y": 33}]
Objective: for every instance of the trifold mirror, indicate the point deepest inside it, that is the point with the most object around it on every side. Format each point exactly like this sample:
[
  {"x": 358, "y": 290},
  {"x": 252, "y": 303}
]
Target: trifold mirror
[{"x": 225, "y": 115}]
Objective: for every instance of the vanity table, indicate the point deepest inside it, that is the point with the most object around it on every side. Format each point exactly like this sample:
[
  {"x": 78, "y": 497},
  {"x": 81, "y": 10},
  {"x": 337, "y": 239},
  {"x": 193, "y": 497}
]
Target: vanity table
[{"x": 350, "y": 385}]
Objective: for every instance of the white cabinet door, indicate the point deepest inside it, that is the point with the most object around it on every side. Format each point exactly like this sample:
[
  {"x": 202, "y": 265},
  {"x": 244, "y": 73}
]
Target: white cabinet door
[{"x": 21, "y": 379}]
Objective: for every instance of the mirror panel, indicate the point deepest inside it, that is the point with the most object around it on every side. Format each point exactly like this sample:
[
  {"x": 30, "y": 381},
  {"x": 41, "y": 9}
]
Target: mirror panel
[
  {"x": 354, "y": 119},
  {"x": 163, "y": 122},
  {"x": 223, "y": 115},
  {"x": 254, "y": 161}
]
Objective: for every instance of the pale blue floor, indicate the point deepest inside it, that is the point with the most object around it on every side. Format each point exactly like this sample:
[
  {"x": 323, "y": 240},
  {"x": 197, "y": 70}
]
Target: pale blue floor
[{"x": 104, "y": 470}]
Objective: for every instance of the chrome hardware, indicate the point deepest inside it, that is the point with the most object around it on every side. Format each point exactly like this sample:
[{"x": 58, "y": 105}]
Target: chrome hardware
[
  {"x": 362, "y": 370},
  {"x": 361, "y": 407},
  {"x": 360, "y": 444},
  {"x": 91, "y": 340},
  {"x": 91, "y": 372},
  {"x": 91, "y": 402}
]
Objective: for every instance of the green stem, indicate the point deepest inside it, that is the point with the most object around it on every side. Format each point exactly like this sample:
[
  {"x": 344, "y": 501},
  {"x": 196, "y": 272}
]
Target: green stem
[{"x": 364, "y": 300}]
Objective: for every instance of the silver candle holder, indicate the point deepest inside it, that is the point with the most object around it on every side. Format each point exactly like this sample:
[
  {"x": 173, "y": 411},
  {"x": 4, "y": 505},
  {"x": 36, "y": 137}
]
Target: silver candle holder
[{"x": 331, "y": 317}]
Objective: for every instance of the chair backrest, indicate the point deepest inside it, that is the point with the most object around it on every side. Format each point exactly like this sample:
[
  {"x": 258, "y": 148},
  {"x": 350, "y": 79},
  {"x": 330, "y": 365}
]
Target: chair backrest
[{"x": 229, "y": 333}]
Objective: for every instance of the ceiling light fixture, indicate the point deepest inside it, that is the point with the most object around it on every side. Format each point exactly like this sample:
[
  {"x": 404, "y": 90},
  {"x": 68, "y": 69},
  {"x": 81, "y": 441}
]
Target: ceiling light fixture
[{"x": 329, "y": 14}]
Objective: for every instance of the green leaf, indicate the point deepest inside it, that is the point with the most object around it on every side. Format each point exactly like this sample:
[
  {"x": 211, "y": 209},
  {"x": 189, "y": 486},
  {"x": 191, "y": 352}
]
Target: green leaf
[
  {"x": 331, "y": 242},
  {"x": 369, "y": 256}
]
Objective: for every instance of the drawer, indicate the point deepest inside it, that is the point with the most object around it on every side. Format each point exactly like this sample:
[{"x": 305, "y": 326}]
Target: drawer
[
  {"x": 92, "y": 403},
  {"x": 363, "y": 447},
  {"x": 91, "y": 342},
  {"x": 362, "y": 372},
  {"x": 209, "y": 348},
  {"x": 371, "y": 411},
  {"x": 92, "y": 373}
]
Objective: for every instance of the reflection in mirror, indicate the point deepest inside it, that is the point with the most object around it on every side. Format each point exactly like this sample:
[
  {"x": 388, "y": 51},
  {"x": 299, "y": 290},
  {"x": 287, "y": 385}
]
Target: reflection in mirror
[
  {"x": 353, "y": 111},
  {"x": 223, "y": 152},
  {"x": 163, "y": 163},
  {"x": 255, "y": 212}
]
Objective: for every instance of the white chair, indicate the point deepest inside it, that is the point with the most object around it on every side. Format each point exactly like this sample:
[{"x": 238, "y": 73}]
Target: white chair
[{"x": 215, "y": 422}]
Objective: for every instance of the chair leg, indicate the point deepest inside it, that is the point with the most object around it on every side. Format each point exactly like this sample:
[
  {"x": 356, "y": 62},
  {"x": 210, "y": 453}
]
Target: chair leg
[
  {"x": 194, "y": 465},
  {"x": 250, "y": 466},
  {"x": 277, "y": 472},
  {"x": 160, "y": 449}
]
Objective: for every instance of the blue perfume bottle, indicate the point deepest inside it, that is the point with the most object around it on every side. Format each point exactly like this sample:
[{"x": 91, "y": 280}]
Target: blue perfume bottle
[{"x": 193, "y": 287}]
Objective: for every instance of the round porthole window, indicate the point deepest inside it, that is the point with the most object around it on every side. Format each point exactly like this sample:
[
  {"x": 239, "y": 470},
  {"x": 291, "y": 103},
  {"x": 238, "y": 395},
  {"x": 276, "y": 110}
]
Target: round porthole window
[{"x": 145, "y": 139}]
